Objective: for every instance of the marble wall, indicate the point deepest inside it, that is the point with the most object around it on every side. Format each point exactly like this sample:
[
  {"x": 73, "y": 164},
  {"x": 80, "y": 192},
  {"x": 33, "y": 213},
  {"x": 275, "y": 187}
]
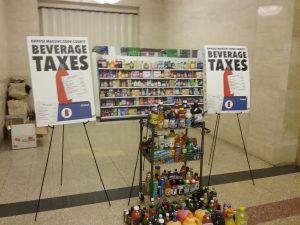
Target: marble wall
[
  {"x": 3, "y": 40},
  {"x": 265, "y": 27}
]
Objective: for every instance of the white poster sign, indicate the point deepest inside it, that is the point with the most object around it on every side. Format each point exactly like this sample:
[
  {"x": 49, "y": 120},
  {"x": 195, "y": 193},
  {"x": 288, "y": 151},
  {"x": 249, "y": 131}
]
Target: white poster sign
[
  {"x": 227, "y": 79},
  {"x": 61, "y": 80}
]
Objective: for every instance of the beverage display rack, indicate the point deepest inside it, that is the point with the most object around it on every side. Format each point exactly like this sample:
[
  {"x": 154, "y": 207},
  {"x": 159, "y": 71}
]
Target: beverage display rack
[{"x": 145, "y": 124}]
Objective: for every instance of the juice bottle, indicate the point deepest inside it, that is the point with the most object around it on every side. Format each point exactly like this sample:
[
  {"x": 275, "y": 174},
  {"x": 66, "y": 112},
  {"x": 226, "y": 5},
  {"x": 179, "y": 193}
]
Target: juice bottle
[
  {"x": 160, "y": 117},
  {"x": 229, "y": 217},
  {"x": 168, "y": 189},
  {"x": 154, "y": 115},
  {"x": 172, "y": 137},
  {"x": 241, "y": 217},
  {"x": 181, "y": 118}
]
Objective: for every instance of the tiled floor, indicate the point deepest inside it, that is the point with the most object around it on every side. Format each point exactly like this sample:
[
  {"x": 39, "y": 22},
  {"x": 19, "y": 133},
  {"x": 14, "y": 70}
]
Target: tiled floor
[{"x": 21, "y": 174}]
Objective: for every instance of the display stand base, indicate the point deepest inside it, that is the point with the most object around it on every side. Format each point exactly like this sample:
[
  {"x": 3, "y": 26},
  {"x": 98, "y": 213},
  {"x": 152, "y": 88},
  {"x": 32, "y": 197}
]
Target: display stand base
[
  {"x": 62, "y": 163},
  {"x": 213, "y": 147}
]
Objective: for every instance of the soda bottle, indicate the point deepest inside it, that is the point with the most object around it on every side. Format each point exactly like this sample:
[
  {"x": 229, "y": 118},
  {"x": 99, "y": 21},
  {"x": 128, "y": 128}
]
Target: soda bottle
[
  {"x": 180, "y": 187},
  {"x": 172, "y": 119},
  {"x": 219, "y": 220},
  {"x": 211, "y": 210},
  {"x": 168, "y": 189},
  {"x": 172, "y": 137},
  {"x": 154, "y": 115},
  {"x": 186, "y": 187},
  {"x": 174, "y": 188},
  {"x": 207, "y": 219},
  {"x": 184, "y": 104},
  {"x": 136, "y": 215},
  {"x": 181, "y": 118},
  {"x": 196, "y": 114},
  {"x": 155, "y": 186},
  {"x": 188, "y": 117},
  {"x": 160, "y": 117},
  {"x": 189, "y": 148},
  {"x": 241, "y": 217}
]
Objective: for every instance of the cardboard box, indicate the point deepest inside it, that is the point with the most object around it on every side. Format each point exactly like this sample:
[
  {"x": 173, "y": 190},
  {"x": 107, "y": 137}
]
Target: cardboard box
[
  {"x": 40, "y": 131},
  {"x": 23, "y": 136}
]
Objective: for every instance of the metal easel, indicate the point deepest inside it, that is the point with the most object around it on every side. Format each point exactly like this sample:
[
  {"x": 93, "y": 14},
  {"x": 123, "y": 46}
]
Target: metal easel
[{"x": 62, "y": 165}]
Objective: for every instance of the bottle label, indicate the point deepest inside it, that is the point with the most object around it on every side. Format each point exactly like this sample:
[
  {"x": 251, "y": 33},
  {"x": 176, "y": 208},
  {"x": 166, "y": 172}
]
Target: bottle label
[
  {"x": 153, "y": 118},
  {"x": 166, "y": 123},
  {"x": 172, "y": 123},
  {"x": 171, "y": 142},
  {"x": 197, "y": 118}
]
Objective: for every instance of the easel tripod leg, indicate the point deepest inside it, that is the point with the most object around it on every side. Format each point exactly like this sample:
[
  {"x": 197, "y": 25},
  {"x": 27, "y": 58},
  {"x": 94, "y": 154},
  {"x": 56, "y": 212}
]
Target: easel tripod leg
[
  {"x": 137, "y": 157},
  {"x": 214, "y": 149},
  {"x": 45, "y": 170},
  {"x": 214, "y": 139},
  {"x": 87, "y": 135},
  {"x": 62, "y": 154},
  {"x": 251, "y": 174}
]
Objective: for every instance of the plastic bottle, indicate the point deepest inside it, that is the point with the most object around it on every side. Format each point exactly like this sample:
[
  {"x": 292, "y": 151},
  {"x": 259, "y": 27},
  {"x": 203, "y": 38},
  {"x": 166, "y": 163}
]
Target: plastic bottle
[
  {"x": 196, "y": 114},
  {"x": 188, "y": 117},
  {"x": 160, "y": 117},
  {"x": 172, "y": 119},
  {"x": 241, "y": 217},
  {"x": 172, "y": 137},
  {"x": 181, "y": 118},
  {"x": 168, "y": 189},
  {"x": 229, "y": 217},
  {"x": 207, "y": 219},
  {"x": 136, "y": 215},
  {"x": 154, "y": 115}
]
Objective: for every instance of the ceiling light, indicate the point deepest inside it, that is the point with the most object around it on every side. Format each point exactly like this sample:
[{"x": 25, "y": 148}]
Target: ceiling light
[
  {"x": 269, "y": 10},
  {"x": 107, "y": 1}
]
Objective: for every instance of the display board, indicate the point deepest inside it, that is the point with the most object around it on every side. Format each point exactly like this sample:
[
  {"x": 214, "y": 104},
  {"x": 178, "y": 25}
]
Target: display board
[
  {"x": 132, "y": 80},
  {"x": 61, "y": 80},
  {"x": 227, "y": 79}
]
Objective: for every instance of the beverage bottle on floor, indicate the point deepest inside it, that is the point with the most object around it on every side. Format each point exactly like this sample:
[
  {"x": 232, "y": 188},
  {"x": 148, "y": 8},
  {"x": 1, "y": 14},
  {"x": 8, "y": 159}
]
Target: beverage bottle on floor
[
  {"x": 241, "y": 217},
  {"x": 136, "y": 215},
  {"x": 229, "y": 217}
]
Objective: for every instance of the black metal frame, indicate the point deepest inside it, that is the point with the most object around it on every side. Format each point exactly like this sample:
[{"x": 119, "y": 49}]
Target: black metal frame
[
  {"x": 139, "y": 156},
  {"x": 62, "y": 165},
  {"x": 214, "y": 142}
]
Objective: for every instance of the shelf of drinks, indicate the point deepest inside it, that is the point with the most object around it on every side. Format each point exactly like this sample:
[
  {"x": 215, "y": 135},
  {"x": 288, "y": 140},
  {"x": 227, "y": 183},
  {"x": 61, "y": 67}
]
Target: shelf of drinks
[
  {"x": 153, "y": 96},
  {"x": 109, "y": 118},
  {"x": 156, "y": 69},
  {"x": 151, "y": 87},
  {"x": 182, "y": 158},
  {"x": 156, "y": 78},
  {"x": 133, "y": 106}
]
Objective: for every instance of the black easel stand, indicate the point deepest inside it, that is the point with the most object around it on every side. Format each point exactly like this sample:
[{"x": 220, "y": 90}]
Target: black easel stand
[
  {"x": 62, "y": 163},
  {"x": 213, "y": 147}
]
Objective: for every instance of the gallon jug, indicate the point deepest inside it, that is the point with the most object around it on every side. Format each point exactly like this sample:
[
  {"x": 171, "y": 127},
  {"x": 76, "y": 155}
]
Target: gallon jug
[
  {"x": 191, "y": 220},
  {"x": 182, "y": 214},
  {"x": 199, "y": 213},
  {"x": 175, "y": 221}
]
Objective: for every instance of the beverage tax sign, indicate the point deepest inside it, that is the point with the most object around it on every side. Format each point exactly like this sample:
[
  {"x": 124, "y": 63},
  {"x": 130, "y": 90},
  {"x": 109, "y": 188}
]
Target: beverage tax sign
[
  {"x": 227, "y": 79},
  {"x": 61, "y": 80}
]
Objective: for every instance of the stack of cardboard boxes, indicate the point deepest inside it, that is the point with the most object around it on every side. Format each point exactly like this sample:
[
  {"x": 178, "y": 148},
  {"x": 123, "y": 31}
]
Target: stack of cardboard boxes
[{"x": 21, "y": 128}]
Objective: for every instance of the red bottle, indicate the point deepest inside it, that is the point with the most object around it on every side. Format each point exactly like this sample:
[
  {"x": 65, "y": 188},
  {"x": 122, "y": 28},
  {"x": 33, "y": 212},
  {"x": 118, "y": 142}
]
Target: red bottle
[{"x": 136, "y": 215}]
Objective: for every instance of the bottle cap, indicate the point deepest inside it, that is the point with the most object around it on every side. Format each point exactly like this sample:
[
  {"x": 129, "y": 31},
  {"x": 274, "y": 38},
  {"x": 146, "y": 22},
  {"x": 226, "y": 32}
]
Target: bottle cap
[
  {"x": 167, "y": 214},
  {"x": 160, "y": 216},
  {"x": 175, "y": 219},
  {"x": 136, "y": 208},
  {"x": 161, "y": 221}
]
